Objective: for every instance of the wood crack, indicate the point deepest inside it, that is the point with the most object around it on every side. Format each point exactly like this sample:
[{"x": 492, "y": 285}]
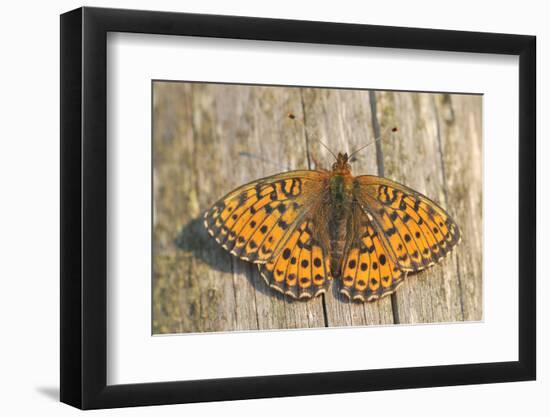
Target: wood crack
[{"x": 380, "y": 166}]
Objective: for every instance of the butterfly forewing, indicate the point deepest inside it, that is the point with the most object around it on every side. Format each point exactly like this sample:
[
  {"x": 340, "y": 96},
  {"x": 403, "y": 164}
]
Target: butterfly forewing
[
  {"x": 415, "y": 231},
  {"x": 254, "y": 221}
]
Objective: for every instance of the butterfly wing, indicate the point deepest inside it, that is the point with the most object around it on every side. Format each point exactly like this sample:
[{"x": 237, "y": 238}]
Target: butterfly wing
[
  {"x": 272, "y": 222},
  {"x": 367, "y": 270},
  {"x": 415, "y": 231},
  {"x": 302, "y": 268}
]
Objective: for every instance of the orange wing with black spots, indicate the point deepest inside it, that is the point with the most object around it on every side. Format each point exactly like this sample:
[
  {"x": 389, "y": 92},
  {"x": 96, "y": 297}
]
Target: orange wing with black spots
[
  {"x": 270, "y": 222},
  {"x": 302, "y": 268},
  {"x": 415, "y": 231},
  {"x": 368, "y": 271},
  {"x": 255, "y": 221}
]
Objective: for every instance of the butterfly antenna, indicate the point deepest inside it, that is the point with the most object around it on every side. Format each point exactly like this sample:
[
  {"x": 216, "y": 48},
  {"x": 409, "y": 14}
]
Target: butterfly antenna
[
  {"x": 292, "y": 116},
  {"x": 328, "y": 149},
  {"x": 379, "y": 138}
]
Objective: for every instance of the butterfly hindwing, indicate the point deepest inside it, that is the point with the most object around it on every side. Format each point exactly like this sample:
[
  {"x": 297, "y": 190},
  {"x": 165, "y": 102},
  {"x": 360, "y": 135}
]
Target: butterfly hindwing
[
  {"x": 367, "y": 269},
  {"x": 414, "y": 229},
  {"x": 301, "y": 268}
]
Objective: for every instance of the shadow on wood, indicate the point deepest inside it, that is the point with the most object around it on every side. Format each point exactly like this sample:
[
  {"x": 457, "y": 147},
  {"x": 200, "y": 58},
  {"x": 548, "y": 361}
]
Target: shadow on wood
[{"x": 194, "y": 238}]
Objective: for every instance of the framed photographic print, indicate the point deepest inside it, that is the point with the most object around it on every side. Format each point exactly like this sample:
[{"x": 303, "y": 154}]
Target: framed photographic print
[{"x": 258, "y": 207}]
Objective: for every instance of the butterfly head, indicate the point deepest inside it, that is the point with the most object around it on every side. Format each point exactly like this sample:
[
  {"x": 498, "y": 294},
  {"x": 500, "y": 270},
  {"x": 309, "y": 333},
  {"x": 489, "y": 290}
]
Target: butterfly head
[{"x": 342, "y": 166}]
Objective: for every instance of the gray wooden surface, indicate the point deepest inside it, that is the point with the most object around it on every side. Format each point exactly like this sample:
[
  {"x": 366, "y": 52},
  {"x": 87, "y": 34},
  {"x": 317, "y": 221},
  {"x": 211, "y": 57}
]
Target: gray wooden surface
[{"x": 208, "y": 139}]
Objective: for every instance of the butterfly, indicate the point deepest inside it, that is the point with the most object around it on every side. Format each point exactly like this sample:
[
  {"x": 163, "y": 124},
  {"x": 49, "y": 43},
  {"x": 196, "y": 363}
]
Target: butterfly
[{"x": 305, "y": 227}]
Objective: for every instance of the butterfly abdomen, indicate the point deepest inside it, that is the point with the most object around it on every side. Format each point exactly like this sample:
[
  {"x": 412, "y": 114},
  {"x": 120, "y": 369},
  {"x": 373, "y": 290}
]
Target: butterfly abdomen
[{"x": 337, "y": 246}]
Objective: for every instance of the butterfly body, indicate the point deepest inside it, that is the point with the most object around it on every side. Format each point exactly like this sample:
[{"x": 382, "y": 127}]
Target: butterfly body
[
  {"x": 339, "y": 202},
  {"x": 303, "y": 228}
]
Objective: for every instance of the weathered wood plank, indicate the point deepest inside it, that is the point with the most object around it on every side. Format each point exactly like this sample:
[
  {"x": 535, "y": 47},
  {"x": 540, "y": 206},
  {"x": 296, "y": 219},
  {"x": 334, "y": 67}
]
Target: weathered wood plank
[
  {"x": 417, "y": 158},
  {"x": 203, "y": 137},
  {"x": 197, "y": 293},
  {"x": 461, "y": 126},
  {"x": 212, "y": 126},
  {"x": 273, "y": 137}
]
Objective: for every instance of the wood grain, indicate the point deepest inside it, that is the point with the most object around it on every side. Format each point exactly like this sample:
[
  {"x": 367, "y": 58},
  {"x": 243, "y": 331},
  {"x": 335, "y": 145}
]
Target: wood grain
[{"x": 210, "y": 138}]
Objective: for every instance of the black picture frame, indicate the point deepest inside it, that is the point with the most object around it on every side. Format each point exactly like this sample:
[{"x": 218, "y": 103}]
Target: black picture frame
[{"x": 84, "y": 207}]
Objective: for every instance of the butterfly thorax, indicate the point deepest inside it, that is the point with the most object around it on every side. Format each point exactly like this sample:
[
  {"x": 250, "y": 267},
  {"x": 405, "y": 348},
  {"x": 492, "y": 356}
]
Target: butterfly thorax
[
  {"x": 340, "y": 186},
  {"x": 341, "y": 198}
]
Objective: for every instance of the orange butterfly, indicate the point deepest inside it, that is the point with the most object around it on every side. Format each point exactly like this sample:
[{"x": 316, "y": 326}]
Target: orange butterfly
[{"x": 304, "y": 227}]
